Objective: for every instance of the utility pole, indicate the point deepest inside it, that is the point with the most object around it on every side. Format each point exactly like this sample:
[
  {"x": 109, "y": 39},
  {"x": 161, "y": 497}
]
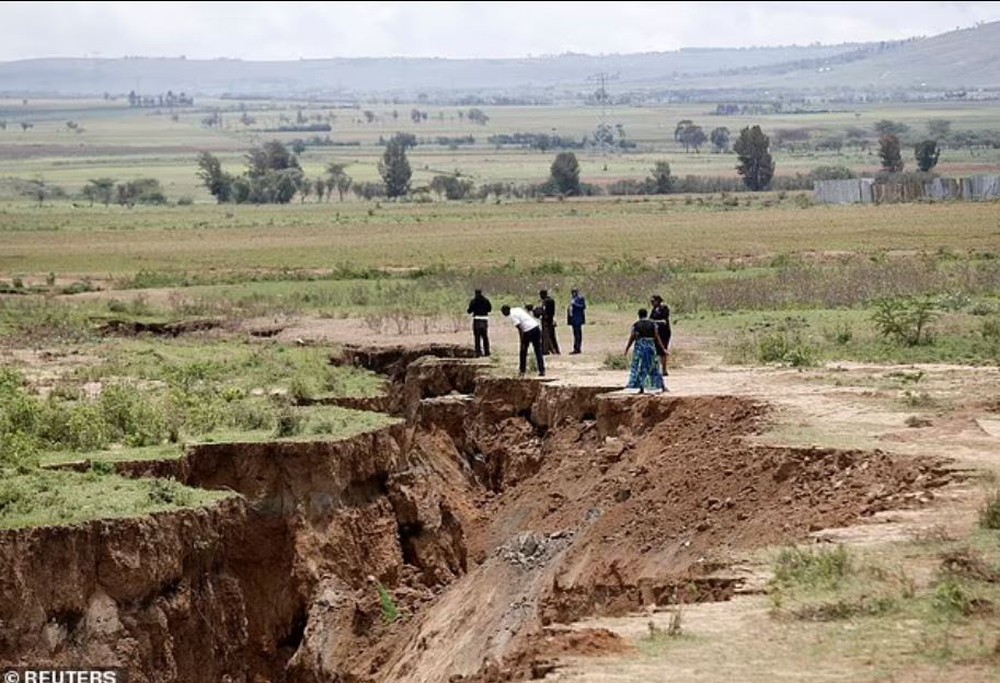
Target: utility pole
[{"x": 603, "y": 132}]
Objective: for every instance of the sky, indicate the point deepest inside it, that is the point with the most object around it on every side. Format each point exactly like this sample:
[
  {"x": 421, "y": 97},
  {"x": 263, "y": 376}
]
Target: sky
[{"x": 314, "y": 30}]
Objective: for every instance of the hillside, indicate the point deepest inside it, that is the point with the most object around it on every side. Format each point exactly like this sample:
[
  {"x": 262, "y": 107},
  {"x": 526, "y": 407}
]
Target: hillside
[{"x": 965, "y": 59}]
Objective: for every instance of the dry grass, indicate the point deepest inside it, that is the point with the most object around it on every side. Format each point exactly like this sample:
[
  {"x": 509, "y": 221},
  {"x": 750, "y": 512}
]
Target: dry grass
[{"x": 99, "y": 242}]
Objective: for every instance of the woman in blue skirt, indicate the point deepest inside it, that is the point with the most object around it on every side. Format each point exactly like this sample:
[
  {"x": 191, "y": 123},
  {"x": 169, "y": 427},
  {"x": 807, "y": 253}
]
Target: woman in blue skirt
[{"x": 645, "y": 373}]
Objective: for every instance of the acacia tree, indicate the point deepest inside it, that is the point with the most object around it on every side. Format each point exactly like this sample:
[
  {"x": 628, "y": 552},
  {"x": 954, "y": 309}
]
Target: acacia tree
[
  {"x": 927, "y": 153},
  {"x": 753, "y": 153},
  {"x": 338, "y": 179},
  {"x": 888, "y": 152},
  {"x": 565, "y": 174},
  {"x": 100, "y": 189},
  {"x": 395, "y": 169}
]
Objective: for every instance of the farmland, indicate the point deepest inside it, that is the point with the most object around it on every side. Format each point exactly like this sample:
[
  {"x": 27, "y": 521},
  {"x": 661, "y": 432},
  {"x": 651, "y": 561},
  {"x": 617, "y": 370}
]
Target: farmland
[{"x": 171, "y": 364}]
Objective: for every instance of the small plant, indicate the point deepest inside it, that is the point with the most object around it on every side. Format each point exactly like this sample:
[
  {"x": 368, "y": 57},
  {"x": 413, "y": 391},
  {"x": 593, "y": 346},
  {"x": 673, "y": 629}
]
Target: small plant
[
  {"x": 616, "y": 361},
  {"x": 290, "y": 422},
  {"x": 989, "y": 513},
  {"x": 169, "y": 492},
  {"x": 818, "y": 569},
  {"x": 390, "y": 613},
  {"x": 841, "y": 334},
  {"x": 953, "y": 598},
  {"x": 102, "y": 467},
  {"x": 954, "y": 301}
]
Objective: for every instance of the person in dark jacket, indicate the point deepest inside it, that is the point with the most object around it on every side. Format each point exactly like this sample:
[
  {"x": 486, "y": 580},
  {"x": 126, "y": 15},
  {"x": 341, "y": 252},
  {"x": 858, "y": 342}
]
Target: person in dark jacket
[
  {"x": 576, "y": 317},
  {"x": 549, "y": 342},
  {"x": 660, "y": 314},
  {"x": 479, "y": 309}
]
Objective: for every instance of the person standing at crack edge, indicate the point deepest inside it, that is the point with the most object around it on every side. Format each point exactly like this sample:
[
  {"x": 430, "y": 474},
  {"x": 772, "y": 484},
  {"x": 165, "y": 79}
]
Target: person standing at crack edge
[
  {"x": 645, "y": 371},
  {"x": 660, "y": 314},
  {"x": 576, "y": 318},
  {"x": 529, "y": 331},
  {"x": 479, "y": 309},
  {"x": 549, "y": 342}
]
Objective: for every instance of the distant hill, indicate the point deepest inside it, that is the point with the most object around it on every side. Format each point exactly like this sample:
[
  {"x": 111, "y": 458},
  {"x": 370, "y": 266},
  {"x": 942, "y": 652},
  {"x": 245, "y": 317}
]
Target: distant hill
[{"x": 966, "y": 58}]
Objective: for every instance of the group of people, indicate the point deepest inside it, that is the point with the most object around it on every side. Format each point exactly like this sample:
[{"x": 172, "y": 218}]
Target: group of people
[{"x": 536, "y": 328}]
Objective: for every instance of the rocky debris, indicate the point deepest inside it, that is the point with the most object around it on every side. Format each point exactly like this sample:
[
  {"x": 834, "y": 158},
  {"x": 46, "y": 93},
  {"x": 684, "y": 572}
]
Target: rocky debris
[{"x": 530, "y": 550}]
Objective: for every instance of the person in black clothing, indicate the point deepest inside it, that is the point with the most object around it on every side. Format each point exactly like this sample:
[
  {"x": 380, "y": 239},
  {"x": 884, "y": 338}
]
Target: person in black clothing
[
  {"x": 660, "y": 314},
  {"x": 479, "y": 309},
  {"x": 576, "y": 317},
  {"x": 549, "y": 342}
]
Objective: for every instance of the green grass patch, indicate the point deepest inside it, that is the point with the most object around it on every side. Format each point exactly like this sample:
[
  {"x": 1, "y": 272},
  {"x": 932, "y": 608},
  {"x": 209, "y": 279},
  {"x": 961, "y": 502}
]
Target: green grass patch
[{"x": 46, "y": 497}]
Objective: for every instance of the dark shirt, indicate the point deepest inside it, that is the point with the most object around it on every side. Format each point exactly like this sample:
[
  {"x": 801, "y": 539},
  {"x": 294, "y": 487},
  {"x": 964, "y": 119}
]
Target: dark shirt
[
  {"x": 661, "y": 315},
  {"x": 480, "y": 305},
  {"x": 549, "y": 309},
  {"x": 576, "y": 311},
  {"x": 644, "y": 329}
]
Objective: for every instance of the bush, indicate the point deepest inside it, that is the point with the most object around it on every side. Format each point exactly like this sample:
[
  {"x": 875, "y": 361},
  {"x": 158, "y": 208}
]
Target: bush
[
  {"x": 904, "y": 320},
  {"x": 989, "y": 514},
  {"x": 813, "y": 569},
  {"x": 390, "y": 613}
]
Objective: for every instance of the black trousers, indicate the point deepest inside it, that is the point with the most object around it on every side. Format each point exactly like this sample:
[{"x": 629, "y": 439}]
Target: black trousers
[
  {"x": 549, "y": 342},
  {"x": 481, "y": 335},
  {"x": 577, "y": 338},
  {"x": 534, "y": 338}
]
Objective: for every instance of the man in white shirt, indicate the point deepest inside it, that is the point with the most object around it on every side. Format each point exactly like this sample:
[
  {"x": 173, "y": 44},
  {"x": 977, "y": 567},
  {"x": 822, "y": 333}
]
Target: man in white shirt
[{"x": 530, "y": 332}]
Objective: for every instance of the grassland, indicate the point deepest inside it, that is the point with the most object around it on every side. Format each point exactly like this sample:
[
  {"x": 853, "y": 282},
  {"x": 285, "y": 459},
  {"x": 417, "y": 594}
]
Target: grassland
[
  {"x": 770, "y": 277},
  {"x": 99, "y": 242}
]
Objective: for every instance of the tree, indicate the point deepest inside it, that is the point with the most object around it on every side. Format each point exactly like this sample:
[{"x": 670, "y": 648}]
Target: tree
[
  {"x": 886, "y": 127},
  {"x": 927, "y": 153},
  {"x": 939, "y": 128},
  {"x": 690, "y": 135},
  {"x": 659, "y": 181},
  {"x": 320, "y": 186},
  {"x": 720, "y": 139},
  {"x": 565, "y": 174},
  {"x": 753, "y": 154},
  {"x": 452, "y": 187},
  {"x": 888, "y": 152},
  {"x": 305, "y": 189},
  {"x": 477, "y": 116},
  {"x": 395, "y": 169},
  {"x": 271, "y": 156},
  {"x": 100, "y": 189},
  {"x": 218, "y": 182}
]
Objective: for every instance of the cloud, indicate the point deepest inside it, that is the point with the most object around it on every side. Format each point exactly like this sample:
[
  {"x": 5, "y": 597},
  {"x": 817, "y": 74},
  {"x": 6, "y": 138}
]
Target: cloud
[{"x": 272, "y": 31}]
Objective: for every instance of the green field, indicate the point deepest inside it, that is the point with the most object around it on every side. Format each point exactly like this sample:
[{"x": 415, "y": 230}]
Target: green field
[{"x": 125, "y": 144}]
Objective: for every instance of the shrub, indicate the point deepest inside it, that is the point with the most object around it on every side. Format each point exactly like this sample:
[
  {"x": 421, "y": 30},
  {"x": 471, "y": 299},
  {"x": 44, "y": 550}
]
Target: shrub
[
  {"x": 904, "y": 320},
  {"x": 616, "y": 361},
  {"x": 814, "y": 569},
  {"x": 390, "y": 613},
  {"x": 989, "y": 514},
  {"x": 290, "y": 422}
]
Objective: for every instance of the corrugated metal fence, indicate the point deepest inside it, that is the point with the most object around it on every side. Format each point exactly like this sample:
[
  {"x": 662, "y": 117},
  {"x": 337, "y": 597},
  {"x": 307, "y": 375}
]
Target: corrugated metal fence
[{"x": 867, "y": 191}]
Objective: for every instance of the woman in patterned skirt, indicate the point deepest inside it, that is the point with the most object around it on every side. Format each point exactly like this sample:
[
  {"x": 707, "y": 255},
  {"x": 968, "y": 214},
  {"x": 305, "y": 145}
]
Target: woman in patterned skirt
[{"x": 645, "y": 373}]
